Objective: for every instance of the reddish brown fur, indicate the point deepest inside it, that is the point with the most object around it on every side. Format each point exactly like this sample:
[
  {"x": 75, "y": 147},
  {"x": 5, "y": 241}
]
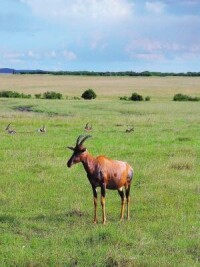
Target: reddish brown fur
[{"x": 104, "y": 173}]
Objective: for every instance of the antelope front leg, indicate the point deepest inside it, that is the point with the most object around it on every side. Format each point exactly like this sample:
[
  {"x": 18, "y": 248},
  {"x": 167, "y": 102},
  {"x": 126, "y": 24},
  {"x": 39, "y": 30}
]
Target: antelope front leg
[
  {"x": 103, "y": 195},
  {"x": 95, "y": 204}
]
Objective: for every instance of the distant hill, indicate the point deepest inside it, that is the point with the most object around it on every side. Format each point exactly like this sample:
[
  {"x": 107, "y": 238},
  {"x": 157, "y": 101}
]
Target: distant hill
[
  {"x": 14, "y": 71},
  {"x": 7, "y": 71}
]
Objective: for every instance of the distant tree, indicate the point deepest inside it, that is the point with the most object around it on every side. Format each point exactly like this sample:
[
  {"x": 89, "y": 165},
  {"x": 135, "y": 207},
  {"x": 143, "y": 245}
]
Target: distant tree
[
  {"x": 136, "y": 97},
  {"x": 89, "y": 94},
  {"x": 52, "y": 95}
]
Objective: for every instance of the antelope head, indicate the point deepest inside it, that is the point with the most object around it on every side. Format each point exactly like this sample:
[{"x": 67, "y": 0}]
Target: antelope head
[{"x": 78, "y": 151}]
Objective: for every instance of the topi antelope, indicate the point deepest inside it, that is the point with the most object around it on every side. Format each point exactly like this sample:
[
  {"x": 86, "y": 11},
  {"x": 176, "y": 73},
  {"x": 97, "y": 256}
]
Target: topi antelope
[
  {"x": 9, "y": 130},
  {"x": 87, "y": 127},
  {"x": 104, "y": 173},
  {"x": 42, "y": 130}
]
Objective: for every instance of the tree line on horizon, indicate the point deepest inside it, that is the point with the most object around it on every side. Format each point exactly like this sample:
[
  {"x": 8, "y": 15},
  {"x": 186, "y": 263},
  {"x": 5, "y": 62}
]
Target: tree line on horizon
[{"x": 110, "y": 73}]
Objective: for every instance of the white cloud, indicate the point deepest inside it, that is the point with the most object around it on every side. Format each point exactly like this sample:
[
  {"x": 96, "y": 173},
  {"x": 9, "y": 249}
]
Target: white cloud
[
  {"x": 13, "y": 55},
  {"x": 190, "y": 2},
  {"x": 155, "y": 7},
  {"x": 33, "y": 54},
  {"x": 98, "y": 41},
  {"x": 149, "y": 56},
  {"x": 96, "y": 10},
  {"x": 69, "y": 55},
  {"x": 148, "y": 49},
  {"x": 38, "y": 55},
  {"x": 151, "y": 45}
]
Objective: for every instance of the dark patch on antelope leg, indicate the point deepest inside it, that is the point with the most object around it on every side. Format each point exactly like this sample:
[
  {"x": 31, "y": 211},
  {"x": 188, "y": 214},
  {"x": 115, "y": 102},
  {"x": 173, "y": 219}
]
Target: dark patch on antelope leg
[
  {"x": 121, "y": 193},
  {"x": 103, "y": 202},
  {"x": 128, "y": 201},
  {"x": 95, "y": 203}
]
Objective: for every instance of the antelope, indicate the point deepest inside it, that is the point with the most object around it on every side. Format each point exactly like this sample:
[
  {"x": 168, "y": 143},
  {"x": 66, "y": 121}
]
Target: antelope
[
  {"x": 42, "y": 130},
  {"x": 104, "y": 173},
  {"x": 9, "y": 130},
  {"x": 87, "y": 127}
]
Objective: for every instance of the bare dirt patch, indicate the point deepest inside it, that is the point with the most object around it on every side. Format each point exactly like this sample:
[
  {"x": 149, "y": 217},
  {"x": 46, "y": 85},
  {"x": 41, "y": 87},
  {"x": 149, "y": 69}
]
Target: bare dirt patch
[{"x": 24, "y": 108}]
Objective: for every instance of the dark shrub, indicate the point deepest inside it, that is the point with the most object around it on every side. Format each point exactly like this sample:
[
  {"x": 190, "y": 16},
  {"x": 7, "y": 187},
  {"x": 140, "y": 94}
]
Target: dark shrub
[
  {"x": 89, "y": 94},
  {"x": 13, "y": 94},
  {"x": 136, "y": 97},
  {"x": 195, "y": 98},
  {"x": 147, "y": 98},
  {"x": 52, "y": 95},
  {"x": 181, "y": 97},
  {"x": 6, "y": 94},
  {"x": 124, "y": 98},
  {"x": 38, "y": 96}
]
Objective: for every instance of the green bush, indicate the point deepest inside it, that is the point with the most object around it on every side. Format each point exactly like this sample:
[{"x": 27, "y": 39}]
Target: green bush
[
  {"x": 181, "y": 97},
  {"x": 38, "y": 96},
  {"x": 136, "y": 97},
  {"x": 89, "y": 94},
  {"x": 124, "y": 98},
  {"x": 13, "y": 94},
  {"x": 52, "y": 95},
  {"x": 147, "y": 98}
]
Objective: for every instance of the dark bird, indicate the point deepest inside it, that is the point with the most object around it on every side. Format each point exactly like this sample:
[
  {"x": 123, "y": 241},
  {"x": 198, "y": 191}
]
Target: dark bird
[
  {"x": 87, "y": 127},
  {"x": 42, "y": 130}
]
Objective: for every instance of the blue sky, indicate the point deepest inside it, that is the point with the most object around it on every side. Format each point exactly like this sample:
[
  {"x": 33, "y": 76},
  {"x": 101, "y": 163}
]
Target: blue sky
[{"x": 100, "y": 35}]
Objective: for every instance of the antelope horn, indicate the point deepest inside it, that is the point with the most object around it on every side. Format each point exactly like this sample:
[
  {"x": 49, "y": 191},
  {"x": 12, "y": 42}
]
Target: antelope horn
[
  {"x": 84, "y": 138},
  {"x": 78, "y": 139}
]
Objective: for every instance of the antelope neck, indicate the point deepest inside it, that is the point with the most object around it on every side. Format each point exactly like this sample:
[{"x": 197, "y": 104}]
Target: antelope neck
[{"x": 88, "y": 163}]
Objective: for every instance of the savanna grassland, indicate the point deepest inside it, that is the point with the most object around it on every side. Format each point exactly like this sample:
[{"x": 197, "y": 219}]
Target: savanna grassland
[{"x": 46, "y": 209}]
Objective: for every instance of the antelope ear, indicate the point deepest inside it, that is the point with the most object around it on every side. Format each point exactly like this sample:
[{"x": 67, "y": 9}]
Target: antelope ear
[{"x": 71, "y": 148}]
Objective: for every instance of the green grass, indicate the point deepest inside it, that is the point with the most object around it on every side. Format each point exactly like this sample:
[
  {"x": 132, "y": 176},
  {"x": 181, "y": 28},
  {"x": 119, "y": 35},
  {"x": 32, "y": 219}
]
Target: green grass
[{"x": 47, "y": 209}]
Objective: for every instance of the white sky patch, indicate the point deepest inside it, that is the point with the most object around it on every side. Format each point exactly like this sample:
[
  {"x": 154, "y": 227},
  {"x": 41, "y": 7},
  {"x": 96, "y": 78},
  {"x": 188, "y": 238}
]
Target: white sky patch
[
  {"x": 69, "y": 55},
  {"x": 33, "y": 55},
  {"x": 51, "y": 54},
  {"x": 190, "y": 2},
  {"x": 104, "y": 10},
  {"x": 155, "y": 7},
  {"x": 147, "y": 49},
  {"x": 149, "y": 56},
  {"x": 13, "y": 55},
  {"x": 98, "y": 42},
  {"x": 149, "y": 45}
]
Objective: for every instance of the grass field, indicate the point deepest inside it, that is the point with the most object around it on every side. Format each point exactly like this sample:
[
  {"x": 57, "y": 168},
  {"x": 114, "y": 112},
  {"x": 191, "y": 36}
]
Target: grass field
[{"x": 47, "y": 209}]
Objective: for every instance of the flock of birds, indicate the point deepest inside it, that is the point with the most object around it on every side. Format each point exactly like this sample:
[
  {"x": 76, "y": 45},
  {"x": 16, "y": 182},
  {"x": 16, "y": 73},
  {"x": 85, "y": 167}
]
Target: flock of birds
[
  {"x": 12, "y": 131},
  {"x": 88, "y": 128}
]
